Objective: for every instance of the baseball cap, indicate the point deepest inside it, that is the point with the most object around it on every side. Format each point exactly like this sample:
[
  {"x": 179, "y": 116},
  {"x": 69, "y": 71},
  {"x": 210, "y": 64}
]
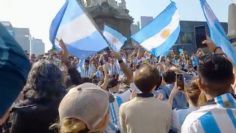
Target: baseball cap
[{"x": 86, "y": 102}]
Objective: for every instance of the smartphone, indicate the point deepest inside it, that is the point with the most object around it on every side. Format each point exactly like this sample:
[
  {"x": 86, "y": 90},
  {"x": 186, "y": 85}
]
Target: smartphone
[
  {"x": 200, "y": 35},
  {"x": 180, "y": 81}
]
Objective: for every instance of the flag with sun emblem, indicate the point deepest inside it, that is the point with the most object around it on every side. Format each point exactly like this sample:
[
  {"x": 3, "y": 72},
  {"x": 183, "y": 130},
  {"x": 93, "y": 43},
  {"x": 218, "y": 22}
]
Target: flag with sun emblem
[
  {"x": 161, "y": 34},
  {"x": 115, "y": 38},
  {"x": 74, "y": 26}
]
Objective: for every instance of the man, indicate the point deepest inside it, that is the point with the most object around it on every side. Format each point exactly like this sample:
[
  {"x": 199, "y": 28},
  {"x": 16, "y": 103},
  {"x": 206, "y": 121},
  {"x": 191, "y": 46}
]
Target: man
[
  {"x": 195, "y": 61},
  {"x": 87, "y": 69},
  {"x": 115, "y": 102},
  {"x": 36, "y": 108},
  {"x": 179, "y": 101},
  {"x": 116, "y": 99},
  {"x": 145, "y": 113},
  {"x": 218, "y": 116},
  {"x": 113, "y": 67}
]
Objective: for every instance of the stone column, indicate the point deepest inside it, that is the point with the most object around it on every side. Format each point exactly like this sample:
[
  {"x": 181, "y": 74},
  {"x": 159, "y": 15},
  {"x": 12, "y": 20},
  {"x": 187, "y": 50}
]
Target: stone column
[
  {"x": 123, "y": 4},
  {"x": 91, "y": 3},
  {"x": 232, "y": 24}
]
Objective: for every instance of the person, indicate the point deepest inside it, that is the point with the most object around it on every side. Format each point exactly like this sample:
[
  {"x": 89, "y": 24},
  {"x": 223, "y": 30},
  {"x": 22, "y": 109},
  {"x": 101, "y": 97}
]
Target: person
[
  {"x": 113, "y": 67},
  {"x": 234, "y": 85},
  {"x": 14, "y": 69},
  {"x": 194, "y": 60},
  {"x": 200, "y": 54},
  {"x": 215, "y": 80},
  {"x": 32, "y": 58},
  {"x": 145, "y": 113},
  {"x": 115, "y": 103},
  {"x": 68, "y": 65},
  {"x": 37, "y": 105},
  {"x": 87, "y": 69},
  {"x": 73, "y": 77},
  {"x": 179, "y": 102},
  {"x": 99, "y": 74},
  {"x": 195, "y": 99},
  {"x": 115, "y": 100},
  {"x": 84, "y": 110}
]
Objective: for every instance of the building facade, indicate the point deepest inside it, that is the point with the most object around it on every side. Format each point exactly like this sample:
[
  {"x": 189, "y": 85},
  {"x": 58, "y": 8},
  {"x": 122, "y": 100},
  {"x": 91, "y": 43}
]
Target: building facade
[
  {"x": 187, "y": 37},
  {"x": 23, "y": 37},
  {"x": 134, "y": 28},
  {"x": 145, "y": 20},
  {"x": 38, "y": 47}
]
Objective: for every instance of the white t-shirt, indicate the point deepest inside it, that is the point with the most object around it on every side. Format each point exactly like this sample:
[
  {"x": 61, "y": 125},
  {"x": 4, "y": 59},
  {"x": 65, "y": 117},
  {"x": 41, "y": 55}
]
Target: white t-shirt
[{"x": 178, "y": 117}]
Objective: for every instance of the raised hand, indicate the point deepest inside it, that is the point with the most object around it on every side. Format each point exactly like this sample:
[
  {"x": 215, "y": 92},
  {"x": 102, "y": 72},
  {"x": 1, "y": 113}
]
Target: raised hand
[
  {"x": 210, "y": 44},
  {"x": 62, "y": 44},
  {"x": 64, "y": 52},
  {"x": 173, "y": 93},
  {"x": 105, "y": 69}
]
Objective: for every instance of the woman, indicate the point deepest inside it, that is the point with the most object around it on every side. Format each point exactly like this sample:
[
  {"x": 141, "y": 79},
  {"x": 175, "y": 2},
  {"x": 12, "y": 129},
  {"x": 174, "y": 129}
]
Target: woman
[
  {"x": 37, "y": 106},
  {"x": 195, "y": 99},
  {"x": 84, "y": 110}
]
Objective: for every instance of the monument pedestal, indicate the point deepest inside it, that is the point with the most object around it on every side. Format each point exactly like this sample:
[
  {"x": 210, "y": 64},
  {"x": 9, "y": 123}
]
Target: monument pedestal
[{"x": 111, "y": 13}]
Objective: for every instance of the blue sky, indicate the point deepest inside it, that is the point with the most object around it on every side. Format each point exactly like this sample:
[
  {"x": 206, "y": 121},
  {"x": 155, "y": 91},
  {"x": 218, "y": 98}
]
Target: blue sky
[
  {"x": 188, "y": 9},
  {"x": 38, "y": 14}
]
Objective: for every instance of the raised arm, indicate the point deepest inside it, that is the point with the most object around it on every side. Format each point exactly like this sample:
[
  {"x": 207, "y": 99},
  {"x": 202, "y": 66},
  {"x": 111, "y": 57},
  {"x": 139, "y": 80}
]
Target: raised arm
[
  {"x": 173, "y": 93},
  {"x": 212, "y": 47},
  {"x": 106, "y": 77},
  {"x": 128, "y": 73},
  {"x": 64, "y": 53}
]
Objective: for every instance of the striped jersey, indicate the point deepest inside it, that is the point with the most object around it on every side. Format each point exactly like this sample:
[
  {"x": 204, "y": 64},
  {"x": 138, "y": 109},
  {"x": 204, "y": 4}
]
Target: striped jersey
[
  {"x": 114, "y": 69},
  {"x": 219, "y": 116},
  {"x": 113, "y": 125}
]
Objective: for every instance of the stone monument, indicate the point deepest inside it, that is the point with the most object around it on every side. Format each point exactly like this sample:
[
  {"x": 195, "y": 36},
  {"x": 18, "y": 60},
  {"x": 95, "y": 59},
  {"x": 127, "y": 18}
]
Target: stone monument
[{"x": 111, "y": 13}]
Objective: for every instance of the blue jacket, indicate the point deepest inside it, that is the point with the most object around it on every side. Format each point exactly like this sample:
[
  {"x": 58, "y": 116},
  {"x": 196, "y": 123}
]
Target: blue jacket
[{"x": 14, "y": 68}]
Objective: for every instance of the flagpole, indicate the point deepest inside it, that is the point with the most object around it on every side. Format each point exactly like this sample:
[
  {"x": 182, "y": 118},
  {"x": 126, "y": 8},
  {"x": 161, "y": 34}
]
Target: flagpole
[{"x": 93, "y": 22}]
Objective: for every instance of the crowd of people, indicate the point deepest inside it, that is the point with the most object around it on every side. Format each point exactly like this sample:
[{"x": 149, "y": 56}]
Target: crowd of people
[{"x": 128, "y": 92}]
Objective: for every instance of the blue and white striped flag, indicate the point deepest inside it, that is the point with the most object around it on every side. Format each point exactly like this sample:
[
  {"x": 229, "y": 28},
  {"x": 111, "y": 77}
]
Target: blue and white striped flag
[
  {"x": 115, "y": 38},
  {"x": 161, "y": 34},
  {"x": 218, "y": 34},
  {"x": 78, "y": 32}
]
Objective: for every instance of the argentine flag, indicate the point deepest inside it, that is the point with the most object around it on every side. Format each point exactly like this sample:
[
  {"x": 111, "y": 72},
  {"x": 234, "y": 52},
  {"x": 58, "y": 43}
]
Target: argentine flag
[
  {"x": 78, "y": 32},
  {"x": 115, "y": 38},
  {"x": 161, "y": 34},
  {"x": 218, "y": 34}
]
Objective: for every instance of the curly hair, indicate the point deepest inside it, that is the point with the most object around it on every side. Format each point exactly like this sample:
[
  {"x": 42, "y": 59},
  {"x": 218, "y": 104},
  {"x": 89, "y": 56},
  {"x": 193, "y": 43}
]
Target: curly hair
[
  {"x": 45, "y": 80},
  {"x": 73, "y": 125}
]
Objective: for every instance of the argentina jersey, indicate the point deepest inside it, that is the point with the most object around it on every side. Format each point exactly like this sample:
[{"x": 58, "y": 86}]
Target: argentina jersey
[
  {"x": 113, "y": 125},
  {"x": 219, "y": 116}
]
